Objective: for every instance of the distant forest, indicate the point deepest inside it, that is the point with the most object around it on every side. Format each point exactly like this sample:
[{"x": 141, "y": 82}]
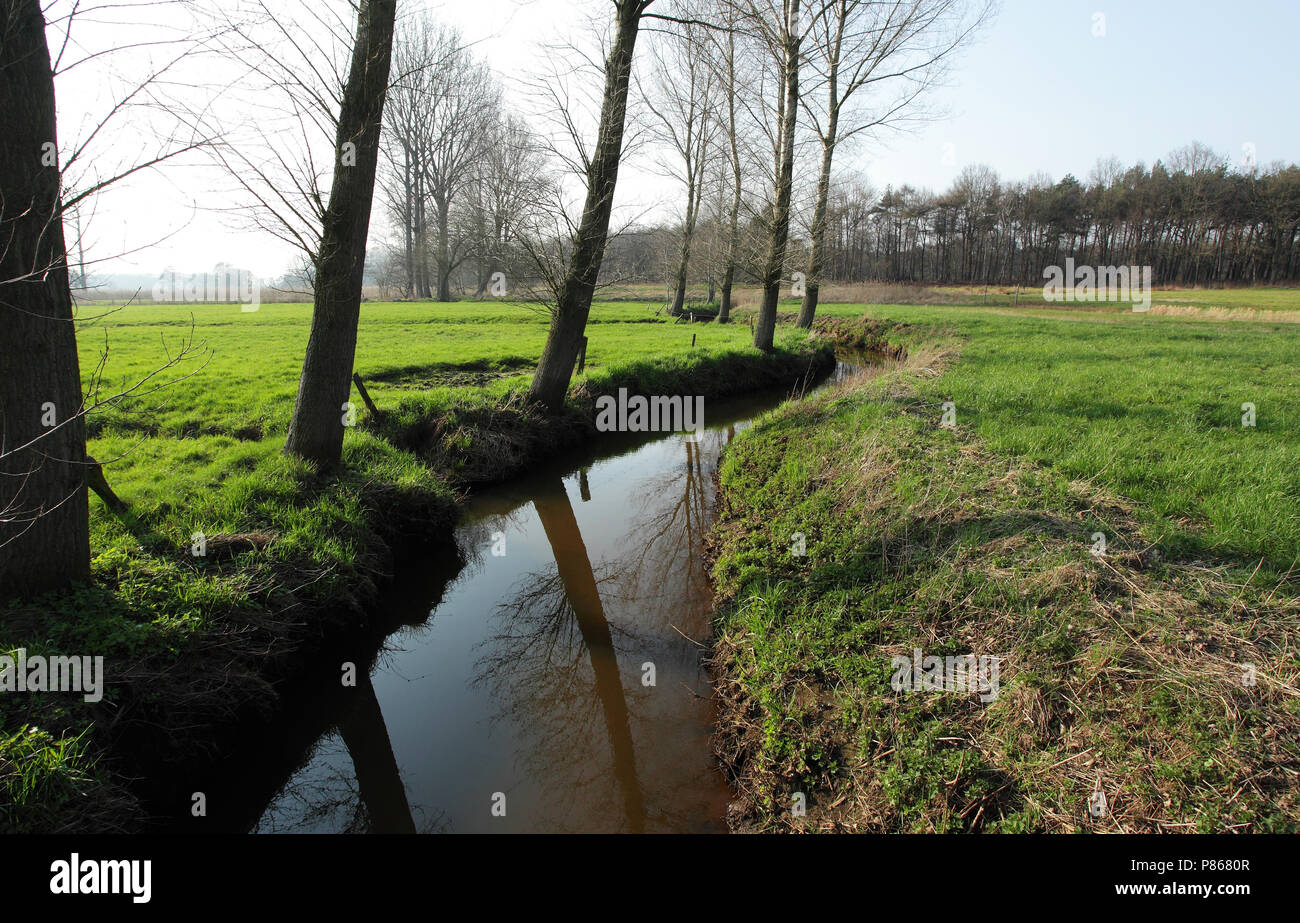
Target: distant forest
[{"x": 1196, "y": 220}]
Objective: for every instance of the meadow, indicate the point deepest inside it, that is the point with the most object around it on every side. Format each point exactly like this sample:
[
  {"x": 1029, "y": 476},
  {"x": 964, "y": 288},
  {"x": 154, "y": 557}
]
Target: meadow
[{"x": 1158, "y": 670}]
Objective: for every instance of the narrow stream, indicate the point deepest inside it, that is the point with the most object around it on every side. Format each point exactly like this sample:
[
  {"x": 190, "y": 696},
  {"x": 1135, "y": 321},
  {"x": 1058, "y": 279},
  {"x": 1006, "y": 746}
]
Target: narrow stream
[{"x": 555, "y": 684}]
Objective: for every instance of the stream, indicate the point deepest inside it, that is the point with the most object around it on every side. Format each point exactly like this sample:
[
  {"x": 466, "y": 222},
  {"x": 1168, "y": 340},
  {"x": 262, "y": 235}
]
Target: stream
[{"x": 554, "y": 683}]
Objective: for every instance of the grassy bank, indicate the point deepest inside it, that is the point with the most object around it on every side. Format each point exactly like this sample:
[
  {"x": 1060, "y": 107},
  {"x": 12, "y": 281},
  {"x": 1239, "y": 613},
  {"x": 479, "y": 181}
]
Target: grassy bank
[
  {"x": 1127, "y": 673},
  {"x": 192, "y": 644}
]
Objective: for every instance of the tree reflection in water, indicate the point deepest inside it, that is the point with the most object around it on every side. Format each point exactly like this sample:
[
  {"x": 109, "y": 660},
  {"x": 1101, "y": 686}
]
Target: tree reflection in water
[
  {"x": 554, "y": 664},
  {"x": 367, "y": 797}
]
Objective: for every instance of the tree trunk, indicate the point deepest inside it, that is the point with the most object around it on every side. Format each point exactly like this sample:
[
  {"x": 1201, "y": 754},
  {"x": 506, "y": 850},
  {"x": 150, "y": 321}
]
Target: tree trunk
[
  {"x": 817, "y": 247},
  {"x": 684, "y": 258},
  {"x": 724, "y": 301},
  {"x": 316, "y": 430},
  {"x": 765, "y": 329},
  {"x": 444, "y": 247},
  {"x": 409, "y": 224},
  {"x": 733, "y": 219},
  {"x": 573, "y": 302},
  {"x": 44, "y": 516}
]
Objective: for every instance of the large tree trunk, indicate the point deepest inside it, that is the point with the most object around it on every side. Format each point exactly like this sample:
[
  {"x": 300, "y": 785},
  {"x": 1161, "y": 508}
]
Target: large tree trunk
[
  {"x": 316, "y": 431},
  {"x": 765, "y": 329},
  {"x": 44, "y": 518},
  {"x": 817, "y": 247},
  {"x": 573, "y": 303}
]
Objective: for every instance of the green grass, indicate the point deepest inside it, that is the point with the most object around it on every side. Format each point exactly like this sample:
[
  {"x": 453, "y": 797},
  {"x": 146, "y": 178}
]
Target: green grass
[
  {"x": 1145, "y": 406},
  {"x": 1121, "y": 673},
  {"x": 1069, "y": 422}
]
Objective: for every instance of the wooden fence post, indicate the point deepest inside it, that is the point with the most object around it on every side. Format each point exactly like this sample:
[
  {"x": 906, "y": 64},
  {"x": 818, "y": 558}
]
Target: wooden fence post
[{"x": 375, "y": 413}]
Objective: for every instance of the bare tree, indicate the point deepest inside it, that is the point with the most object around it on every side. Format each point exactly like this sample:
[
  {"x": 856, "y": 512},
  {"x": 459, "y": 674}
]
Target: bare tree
[
  {"x": 312, "y": 84},
  {"x": 895, "y": 51},
  {"x": 507, "y": 193},
  {"x": 44, "y": 468},
  {"x": 682, "y": 101},
  {"x": 778, "y": 24},
  {"x": 569, "y": 317},
  {"x": 458, "y": 117},
  {"x": 441, "y": 111},
  {"x": 731, "y": 88},
  {"x": 316, "y": 429},
  {"x": 405, "y": 140},
  {"x": 42, "y": 488}
]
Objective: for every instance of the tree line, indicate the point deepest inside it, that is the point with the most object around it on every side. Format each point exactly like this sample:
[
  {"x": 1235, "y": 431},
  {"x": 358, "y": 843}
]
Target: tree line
[{"x": 1195, "y": 220}]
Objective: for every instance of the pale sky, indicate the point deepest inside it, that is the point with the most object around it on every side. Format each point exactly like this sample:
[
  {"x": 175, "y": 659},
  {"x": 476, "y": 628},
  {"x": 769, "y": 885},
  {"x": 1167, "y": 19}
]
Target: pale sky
[{"x": 1038, "y": 92}]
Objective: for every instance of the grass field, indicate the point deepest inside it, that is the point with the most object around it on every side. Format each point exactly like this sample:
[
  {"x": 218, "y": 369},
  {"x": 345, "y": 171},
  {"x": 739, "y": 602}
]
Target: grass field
[
  {"x": 1122, "y": 673},
  {"x": 1146, "y": 406}
]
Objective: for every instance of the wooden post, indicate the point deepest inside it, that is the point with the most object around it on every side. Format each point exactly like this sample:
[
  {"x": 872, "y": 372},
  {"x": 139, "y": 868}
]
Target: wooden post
[
  {"x": 692, "y": 341},
  {"x": 375, "y": 413},
  {"x": 582, "y": 356}
]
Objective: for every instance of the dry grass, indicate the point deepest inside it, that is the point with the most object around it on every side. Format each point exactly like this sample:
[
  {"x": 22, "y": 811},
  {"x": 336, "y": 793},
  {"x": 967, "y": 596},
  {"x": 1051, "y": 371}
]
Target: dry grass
[{"x": 1211, "y": 312}]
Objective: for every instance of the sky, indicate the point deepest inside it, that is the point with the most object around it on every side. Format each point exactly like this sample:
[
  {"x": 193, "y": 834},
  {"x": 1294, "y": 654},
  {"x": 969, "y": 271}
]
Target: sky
[{"x": 1050, "y": 86}]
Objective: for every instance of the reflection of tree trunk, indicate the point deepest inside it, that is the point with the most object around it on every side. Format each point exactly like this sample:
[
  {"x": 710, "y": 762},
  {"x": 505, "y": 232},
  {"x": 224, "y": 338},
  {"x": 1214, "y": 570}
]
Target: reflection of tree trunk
[
  {"x": 574, "y": 566},
  {"x": 584, "y": 489},
  {"x": 366, "y": 737}
]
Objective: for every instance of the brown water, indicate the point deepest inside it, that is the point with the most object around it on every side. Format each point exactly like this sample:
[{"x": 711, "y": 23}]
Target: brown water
[{"x": 555, "y": 684}]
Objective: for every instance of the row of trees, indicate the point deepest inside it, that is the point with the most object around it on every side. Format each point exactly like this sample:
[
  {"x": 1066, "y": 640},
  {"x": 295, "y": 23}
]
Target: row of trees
[{"x": 460, "y": 174}]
